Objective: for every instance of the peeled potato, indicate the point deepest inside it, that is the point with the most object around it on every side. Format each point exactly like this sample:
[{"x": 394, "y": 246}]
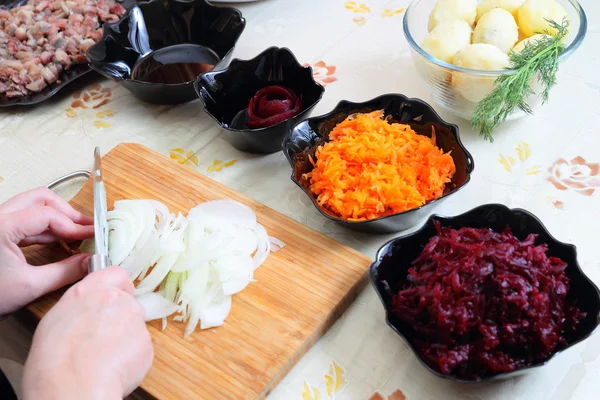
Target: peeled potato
[
  {"x": 512, "y": 6},
  {"x": 521, "y": 45},
  {"x": 480, "y": 56},
  {"x": 450, "y": 10},
  {"x": 497, "y": 27},
  {"x": 446, "y": 39},
  {"x": 533, "y": 14}
]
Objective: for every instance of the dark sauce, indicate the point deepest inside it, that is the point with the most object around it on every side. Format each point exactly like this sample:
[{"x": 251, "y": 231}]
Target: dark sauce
[{"x": 175, "y": 64}]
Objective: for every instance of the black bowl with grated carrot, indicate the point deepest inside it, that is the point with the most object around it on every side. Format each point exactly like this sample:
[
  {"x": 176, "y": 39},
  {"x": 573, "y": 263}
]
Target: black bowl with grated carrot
[
  {"x": 488, "y": 294},
  {"x": 378, "y": 166}
]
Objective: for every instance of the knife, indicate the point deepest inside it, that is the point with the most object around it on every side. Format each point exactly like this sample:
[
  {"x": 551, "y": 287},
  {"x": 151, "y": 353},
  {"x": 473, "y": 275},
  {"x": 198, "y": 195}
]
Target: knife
[{"x": 100, "y": 258}]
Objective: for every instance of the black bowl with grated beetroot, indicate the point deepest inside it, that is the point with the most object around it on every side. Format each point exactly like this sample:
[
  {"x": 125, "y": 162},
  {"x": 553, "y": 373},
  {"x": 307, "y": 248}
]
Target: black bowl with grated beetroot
[{"x": 485, "y": 295}]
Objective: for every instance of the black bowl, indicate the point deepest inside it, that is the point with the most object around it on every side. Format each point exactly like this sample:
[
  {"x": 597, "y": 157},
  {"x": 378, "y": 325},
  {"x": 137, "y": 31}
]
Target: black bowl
[
  {"x": 393, "y": 260},
  {"x": 168, "y": 31},
  {"x": 65, "y": 77},
  {"x": 305, "y": 137},
  {"x": 226, "y": 94}
]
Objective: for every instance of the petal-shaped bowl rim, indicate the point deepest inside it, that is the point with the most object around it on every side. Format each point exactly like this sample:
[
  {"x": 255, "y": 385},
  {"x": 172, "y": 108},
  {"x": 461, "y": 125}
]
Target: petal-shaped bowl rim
[
  {"x": 127, "y": 15},
  {"x": 241, "y": 62},
  {"x": 384, "y": 249},
  {"x": 350, "y": 104}
]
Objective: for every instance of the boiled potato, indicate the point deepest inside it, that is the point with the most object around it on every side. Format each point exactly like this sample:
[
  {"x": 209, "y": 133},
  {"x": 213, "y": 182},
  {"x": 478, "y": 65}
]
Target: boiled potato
[
  {"x": 533, "y": 13},
  {"x": 521, "y": 45},
  {"x": 450, "y": 10},
  {"x": 512, "y": 6},
  {"x": 497, "y": 27},
  {"x": 482, "y": 56},
  {"x": 446, "y": 39}
]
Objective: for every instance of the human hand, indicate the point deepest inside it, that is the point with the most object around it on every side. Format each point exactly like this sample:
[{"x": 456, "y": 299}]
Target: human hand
[
  {"x": 38, "y": 216},
  {"x": 92, "y": 344}
]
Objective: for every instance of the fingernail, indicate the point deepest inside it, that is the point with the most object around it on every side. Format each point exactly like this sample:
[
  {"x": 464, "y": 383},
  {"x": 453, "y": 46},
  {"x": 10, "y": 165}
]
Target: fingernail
[{"x": 85, "y": 265}]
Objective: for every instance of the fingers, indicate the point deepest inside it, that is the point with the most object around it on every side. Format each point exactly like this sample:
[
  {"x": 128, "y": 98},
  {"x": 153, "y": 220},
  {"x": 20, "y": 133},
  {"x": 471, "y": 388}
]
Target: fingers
[
  {"x": 110, "y": 277},
  {"x": 51, "y": 277},
  {"x": 41, "y": 220},
  {"x": 43, "y": 238},
  {"x": 41, "y": 197}
]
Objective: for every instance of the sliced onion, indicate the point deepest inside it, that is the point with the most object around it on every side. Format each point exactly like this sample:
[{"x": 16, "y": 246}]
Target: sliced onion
[
  {"x": 88, "y": 246},
  {"x": 235, "y": 273},
  {"x": 123, "y": 235},
  {"x": 140, "y": 258},
  {"x": 224, "y": 212},
  {"x": 156, "y": 306},
  {"x": 214, "y": 315},
  {"x": 198, "y": 261},
  {"x": 159, "y": 272},
  {"x": 264, "y": 246},
  {"x": 276, "y": 244}
]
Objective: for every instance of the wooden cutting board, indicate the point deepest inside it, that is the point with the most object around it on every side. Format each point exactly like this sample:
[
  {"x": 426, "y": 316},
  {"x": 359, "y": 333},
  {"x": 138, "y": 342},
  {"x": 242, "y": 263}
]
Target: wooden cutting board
[{"x": 299, "y": 291}]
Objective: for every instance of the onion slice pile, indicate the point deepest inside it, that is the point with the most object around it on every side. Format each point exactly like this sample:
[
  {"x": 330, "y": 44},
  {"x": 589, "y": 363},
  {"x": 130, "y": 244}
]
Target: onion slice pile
[{"x": 197, "y": 262}]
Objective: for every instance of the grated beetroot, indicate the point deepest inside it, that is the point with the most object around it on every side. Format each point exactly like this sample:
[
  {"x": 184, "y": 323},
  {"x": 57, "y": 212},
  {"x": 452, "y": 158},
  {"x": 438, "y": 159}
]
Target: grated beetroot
[{"x": 481, "y": 302}]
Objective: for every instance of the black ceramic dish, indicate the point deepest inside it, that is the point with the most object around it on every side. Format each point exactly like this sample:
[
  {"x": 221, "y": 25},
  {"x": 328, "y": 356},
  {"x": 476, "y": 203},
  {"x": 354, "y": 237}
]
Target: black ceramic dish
[
  {"x": 226, "y": 94},
  {"x": 170, "y": 31},
  {"x": 308, "y": 135},
  {"x": 65, "y": 77},
  {"x": 393, "y": 260}
]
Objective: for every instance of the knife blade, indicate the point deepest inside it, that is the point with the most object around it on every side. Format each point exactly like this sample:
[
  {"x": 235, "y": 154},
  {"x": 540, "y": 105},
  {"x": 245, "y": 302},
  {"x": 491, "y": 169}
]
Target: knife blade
[{"x": 100, "y": 259}]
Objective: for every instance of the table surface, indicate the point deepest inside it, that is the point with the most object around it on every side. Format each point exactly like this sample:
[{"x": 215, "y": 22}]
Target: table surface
[{"x": 547, "y": 163}]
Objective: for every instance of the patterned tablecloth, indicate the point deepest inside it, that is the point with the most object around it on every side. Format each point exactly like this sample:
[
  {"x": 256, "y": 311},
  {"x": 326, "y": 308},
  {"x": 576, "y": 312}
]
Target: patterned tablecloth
[{"x": 548, "y": 163}]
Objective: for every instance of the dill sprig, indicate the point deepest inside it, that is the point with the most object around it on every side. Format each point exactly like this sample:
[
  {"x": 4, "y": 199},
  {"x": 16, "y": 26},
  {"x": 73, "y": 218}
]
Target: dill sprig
[{"x": 539, "y": 57}]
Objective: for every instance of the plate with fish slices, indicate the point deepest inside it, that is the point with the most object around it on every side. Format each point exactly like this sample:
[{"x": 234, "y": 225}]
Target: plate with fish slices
[{"x": 43, "y": 44}]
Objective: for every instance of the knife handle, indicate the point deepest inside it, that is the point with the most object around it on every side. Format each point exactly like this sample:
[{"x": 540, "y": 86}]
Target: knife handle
[{"x": 97, "y": 262}]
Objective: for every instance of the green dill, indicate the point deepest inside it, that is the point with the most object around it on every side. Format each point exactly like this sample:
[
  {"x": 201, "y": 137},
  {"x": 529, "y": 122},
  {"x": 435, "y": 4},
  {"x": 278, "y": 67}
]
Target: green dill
[{"x": 539, "y": 57}]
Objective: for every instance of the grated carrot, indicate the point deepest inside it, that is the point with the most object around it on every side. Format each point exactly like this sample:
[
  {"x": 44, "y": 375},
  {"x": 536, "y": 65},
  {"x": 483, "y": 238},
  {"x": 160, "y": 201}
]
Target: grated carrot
[{"x": 371, "y": 168}]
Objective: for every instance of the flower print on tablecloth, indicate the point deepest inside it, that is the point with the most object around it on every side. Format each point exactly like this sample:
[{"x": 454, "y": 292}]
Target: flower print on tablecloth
[
  {"x": 363, "y": 9},
  {"x": 391, "y": 12},
  {"x": 187, "y": 158},
  {"x": 519, "y": 161},
  {"x": 576, "y": 175},
  {"x": 218, "y": 165},
  {"x": 516, "y": 174},
  {"x": 358, "y": 8},
  {"x": 92, "y": 99},
  {"x": 396, "y": 395},
  {"x": 323, "y": 73},
  {"x": 333, "y": 382}
]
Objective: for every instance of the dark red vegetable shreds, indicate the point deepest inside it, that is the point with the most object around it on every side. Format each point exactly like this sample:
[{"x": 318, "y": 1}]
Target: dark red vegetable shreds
[
  {"x": 272, "y": 105},
  {"x": 482, "y": 302}
]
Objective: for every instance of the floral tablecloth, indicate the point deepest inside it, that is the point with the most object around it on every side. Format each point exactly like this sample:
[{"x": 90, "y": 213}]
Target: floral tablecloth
[{"x": 548, "y": 163}]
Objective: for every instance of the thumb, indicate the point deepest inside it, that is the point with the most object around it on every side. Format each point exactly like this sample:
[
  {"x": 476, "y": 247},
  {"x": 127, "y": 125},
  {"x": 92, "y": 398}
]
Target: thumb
[{"x": 48, "y": 278}]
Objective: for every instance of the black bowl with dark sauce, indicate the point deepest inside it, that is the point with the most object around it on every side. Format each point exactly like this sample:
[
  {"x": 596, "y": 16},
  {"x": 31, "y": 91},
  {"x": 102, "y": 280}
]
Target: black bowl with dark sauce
[
  {"x": 173, "y": 65},
  {"x": 158, "y": 48}
]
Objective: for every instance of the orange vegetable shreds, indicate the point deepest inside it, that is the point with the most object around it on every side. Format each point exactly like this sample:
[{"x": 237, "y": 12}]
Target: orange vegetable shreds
[{"x": 371, "y": 168}]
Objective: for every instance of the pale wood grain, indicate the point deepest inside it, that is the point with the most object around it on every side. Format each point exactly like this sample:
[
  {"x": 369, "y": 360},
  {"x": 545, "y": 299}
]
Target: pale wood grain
[{"x": 299, "y": 291}]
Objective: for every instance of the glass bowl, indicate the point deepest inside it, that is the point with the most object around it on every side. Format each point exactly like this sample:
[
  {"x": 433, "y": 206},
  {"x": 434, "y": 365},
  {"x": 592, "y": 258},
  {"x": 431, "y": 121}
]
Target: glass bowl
[{"x": 437, "y": 74}]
